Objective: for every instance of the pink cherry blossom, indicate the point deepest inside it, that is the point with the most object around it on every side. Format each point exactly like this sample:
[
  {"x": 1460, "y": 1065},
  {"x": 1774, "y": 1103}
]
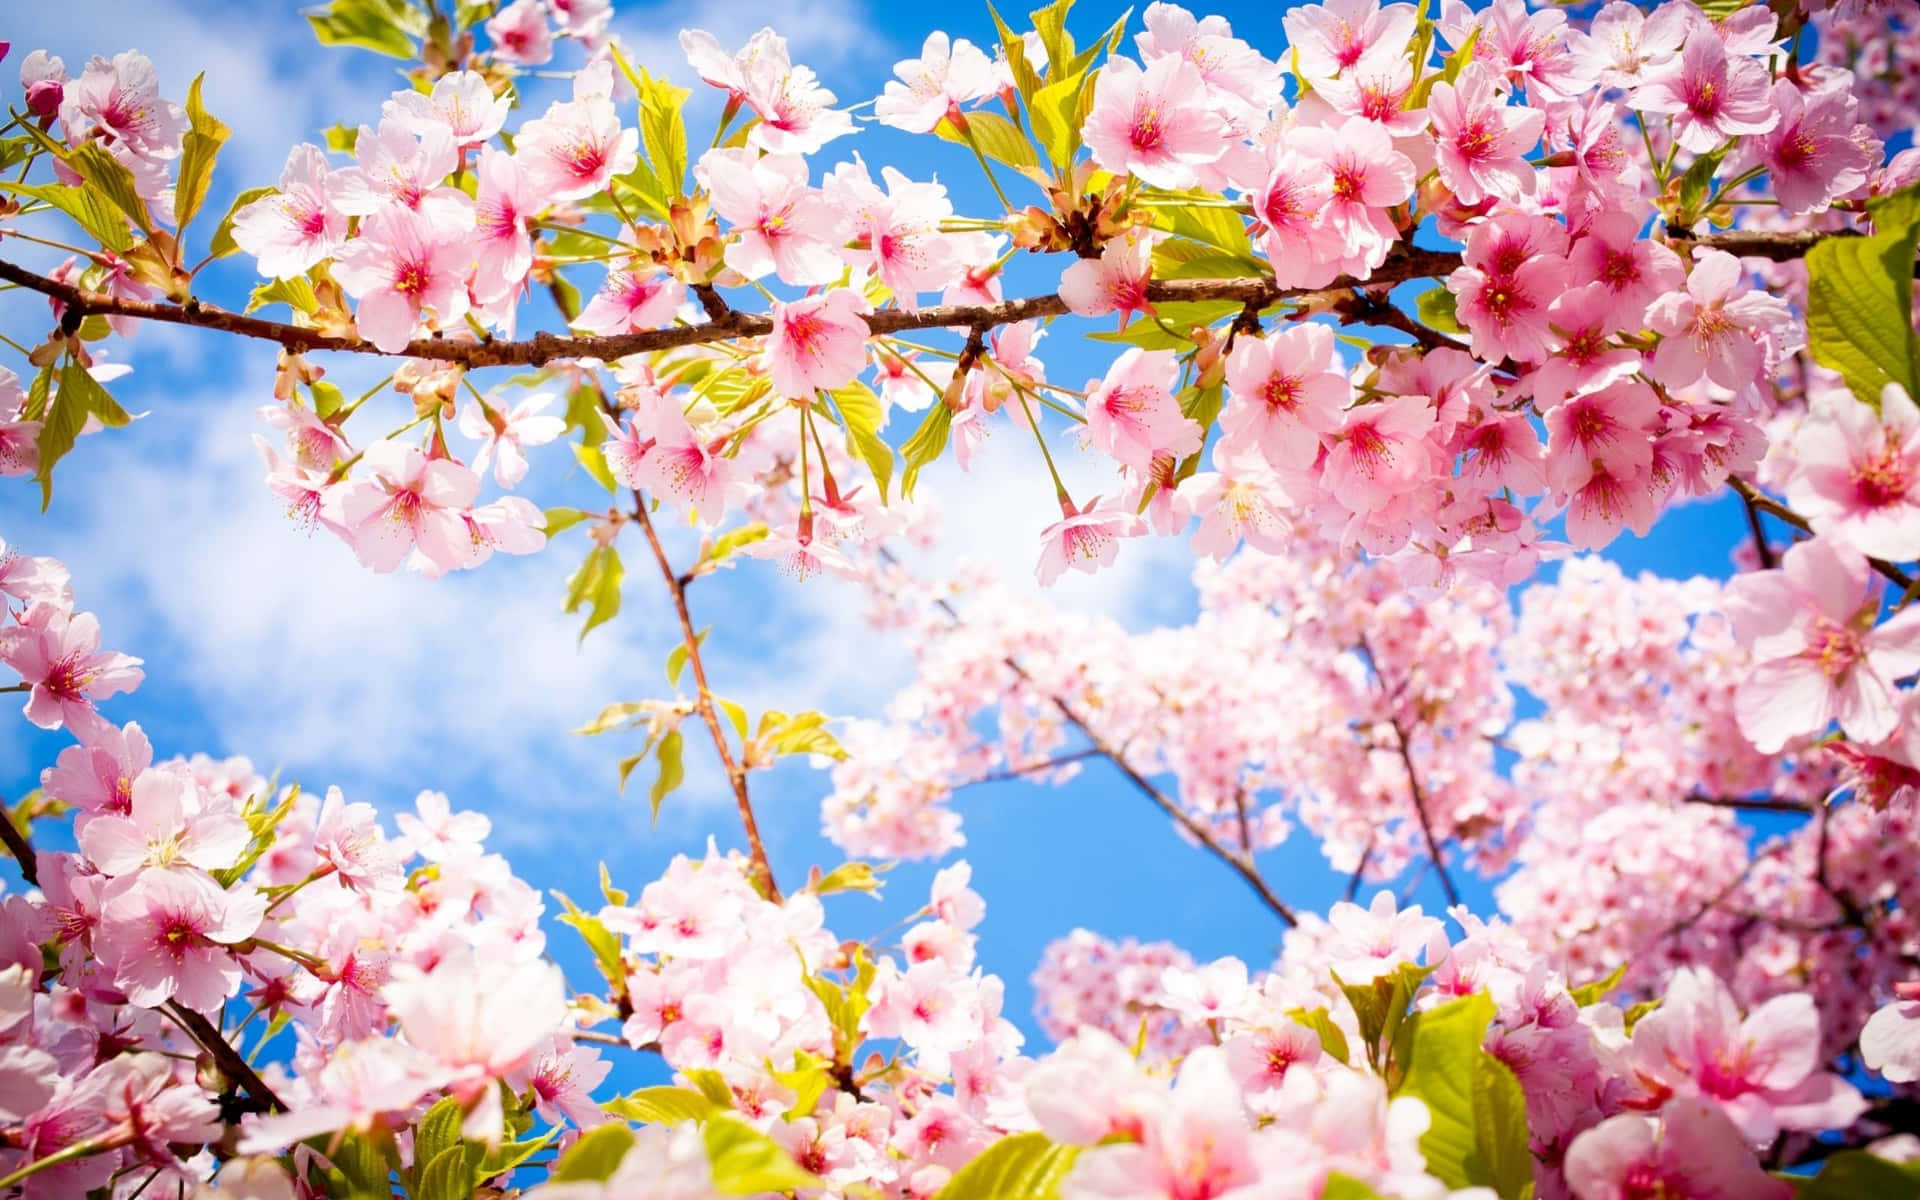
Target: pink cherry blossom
[
  {"x": 167, "y": 822},
  {"x": 1762, "y": 1071},
  {"x": 1713, "y": 93},
  {"x": 1820, "y": 657},
  {"x": 508, "y": 433},
  {"x": 503, "y": 206},
  {"x": 57, "y": 653},
  {"x": 1858, "y": 473},
  {"x": 1153, "y": 124},
  {"x": 1378, "y": 451},
  {"x": 784, "y": 227},
  {"x": 1483, "y": 143},
  {"x": 1132, "y": 415},
  {"x": 577, "y": 147},
  {"x": 404, "y": 271},
  {"x": 1116, "y": 281},
  {"x": 1085, "y": 539},
  {"x": 640, "y": 296},
  {"x": 1693, "y": 1150},
  {"x": 896, "y": 233},
  {"x": 297, "y": 226},
  {"x": 1712, "y": 326},
  {"x": 165, "y": 934},
  {"x": 460, "y": 103},
  {"x": 519, "y": 33},
  {"x": 818, "y": 342},
  {"x": 1284, "y": 393},
  {"x": 947, "y": 75},
  {"x": 1329, "y": 38},
  {"x": 403, "y": 500}
]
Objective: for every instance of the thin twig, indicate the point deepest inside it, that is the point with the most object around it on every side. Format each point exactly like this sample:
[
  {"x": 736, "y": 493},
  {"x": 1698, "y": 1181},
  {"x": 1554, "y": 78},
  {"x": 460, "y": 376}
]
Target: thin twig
[
  {"x": 1420, "y": 809},
  {"x": 703, "y": 702},
  {"x": 1242, "y": 864},
  {"x": 1757, "y": 499},
  {"x": 1021, "y": 772},
  {"x": 1753, "y": 803}
]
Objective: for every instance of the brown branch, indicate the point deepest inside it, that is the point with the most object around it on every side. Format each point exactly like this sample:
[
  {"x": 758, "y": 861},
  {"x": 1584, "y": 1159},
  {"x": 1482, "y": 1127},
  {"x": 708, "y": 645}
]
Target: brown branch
[
  {"x": 1022, "y": 772},
  {"x": 1420, "y": 809},
  {"x": 1253, "y": 292},
  {"x": 1243, "y": 865},
  {"x": 1753, "y": 803},
  {"x": 237, "y": 1070},
  {"x": 703, "y": 702},
  {"x": 18, "y": 846},
  {"x": 197, "y": 1027},
  {"x": 1755, "y": 499}
]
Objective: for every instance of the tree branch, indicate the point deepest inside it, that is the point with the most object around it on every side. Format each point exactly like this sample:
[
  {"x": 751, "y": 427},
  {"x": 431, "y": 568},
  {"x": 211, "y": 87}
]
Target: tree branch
[
  {"x": 1255, "y": 292},
  {"x": 1758, "y": 501},
  {"x": 703, "y": 702},
  {"x": 1242, "y": 864},
  {"x": 196, "y": 1026},
  {"x": 1420, "y": 809}
]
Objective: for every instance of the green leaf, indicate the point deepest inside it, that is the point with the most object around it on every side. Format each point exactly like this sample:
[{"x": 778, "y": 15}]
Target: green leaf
[
  {"x": 508, "y": 1155},
  {"x": 926, "y": 444},
  {"x": 677, "y": 657},
  {"x": 80, "y": 395},
  {"x": 996, "y": 137},
  {"x": 1023, "y": 1166},
  {"x": 596, "y": 586},
  {"x": 613, "y": 894},
  {"x": 661, "y": 1106},
  {"x": 223, "y": 243},
  {"x": 559, "y": 520},
  {"x": 1199, "y": 217},
  {"x": 1055, "y": 114},
  {"x": 295, "y": 293},
  {"x": 861, "y": 415},
  {"x": 809, "y": 1079},
  {"x": 1860, "y": 301},
  {"x": 1500, "y": 1123},
  {"x": 671, "y": 770},
  {"x": 327, "y": 398},
  {"x": 599, "y": 939},
  {"x": 847, "y": 877},
  {"x": 1346, "y": 1187},
  {"x": 1025, "y": 79},
  {"x": 723, "y": 548},
  {"x": 1333, "y": 1041},
  {"x": 1449, "y": 70},
  {"x": 802, "y": 733},
  {"x": 438, "y": 1131},
  {"x": 595, "y": 462},
  {"x": 596, "y": 1156},
  {"x": 1437, "y": 309},
  {"x": 445, "y": 1177},
  {"x": 359, "y": 1163},
  {"x": 747, "y": 1162},
  {"x": 1855, "y": 1174},
  {"x": 1051, "y": 24},
  {"x": 1588, "y": 994},
  {"x": 1477, "y": 1135},
  {"x": 382, "y": 26},
  {"x": 88, "y": 208},
  {"x": 625, "y": 713},
  {"x": 342, "y": 139},
  {"x": 1178, "y": 316},
  {"x": 735, "y": 714},
  {"x": 712, "y": 1085},
  {"x": 201, "y": 147},
  {"x": 97, "y": 165},
  {"x": 1381, "y": 1004}
]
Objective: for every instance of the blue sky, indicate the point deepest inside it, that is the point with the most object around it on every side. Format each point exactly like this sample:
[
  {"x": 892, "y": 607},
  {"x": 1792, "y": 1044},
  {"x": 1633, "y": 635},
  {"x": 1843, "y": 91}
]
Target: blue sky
[{"x": 263, "y": 641}]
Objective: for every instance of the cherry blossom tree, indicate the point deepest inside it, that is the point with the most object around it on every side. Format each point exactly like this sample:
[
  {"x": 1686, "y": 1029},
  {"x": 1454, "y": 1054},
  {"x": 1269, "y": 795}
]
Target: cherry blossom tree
[{"x": 1404, "y": 302}]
